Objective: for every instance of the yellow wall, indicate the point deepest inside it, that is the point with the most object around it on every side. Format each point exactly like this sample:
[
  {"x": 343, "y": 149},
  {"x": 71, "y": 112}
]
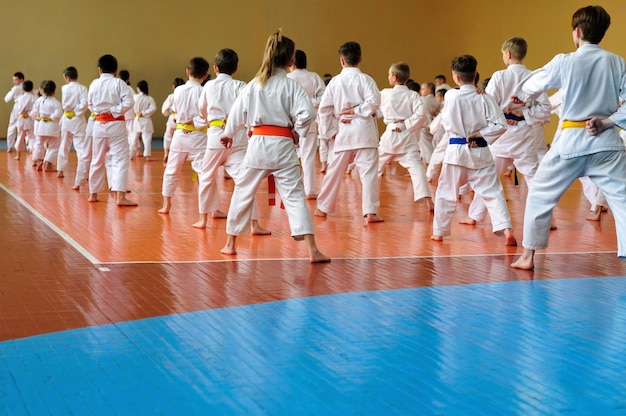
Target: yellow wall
[{"x": 155, "y": 39}]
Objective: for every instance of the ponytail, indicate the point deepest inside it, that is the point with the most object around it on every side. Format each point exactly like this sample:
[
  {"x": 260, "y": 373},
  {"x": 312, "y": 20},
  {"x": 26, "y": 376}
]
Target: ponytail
[{"x": 279, "y": 52}]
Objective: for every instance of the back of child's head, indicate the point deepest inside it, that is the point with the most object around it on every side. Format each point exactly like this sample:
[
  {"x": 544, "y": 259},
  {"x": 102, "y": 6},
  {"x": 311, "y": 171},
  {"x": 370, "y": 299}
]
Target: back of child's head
[
  {"x": 441, "y": 93},
  {"x": 107, "y": 64},
  {"x": 485, "y": 82},
  {"x": 227, "y": 61},
  {"x": 49, "y": 87},
  {"x": 593, "y": 21},
  {"x": 413, "y": 85},
  {"x": 124, "y": 75},
  {"x": 351, "y": 53},
  {"x": 300, "y": 59},
  {"x": 428, "y": 87},
  {"x": 143, "y": 86},
  {"x": 464, "y": 67},
  {"x": 70, "y": 72},
  {"x": 401, "y": 71},
  {"x": 178, "y": 82},
  {"x": 28, "y": 86},
  {"x": 19, "y": 75},
  {"x": 327, "y": 77},
  {"x": 198, "y": 67},
  {"x": 441, "y": 78},
  {"x": 279, "y": 52},
  {"x": 517, "y": 46}
]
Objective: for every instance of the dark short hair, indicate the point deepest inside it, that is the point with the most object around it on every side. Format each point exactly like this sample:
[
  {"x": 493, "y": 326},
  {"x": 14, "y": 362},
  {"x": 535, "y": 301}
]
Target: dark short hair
[
  {"x": 227, "y": 61},
  {"x": 464, "y": 67},
  {"x": 49, "y": 87},
  {"x": 441, "y": 77},
  {"x": 178, "y": 82},
  {"x": 124, "y": 75},
  {"x": 19, "y": 75},
  {"x": 593, "y": 21},
  {"x": 351, "y": 53},
  {"x": 70, "y": 72},
  {"x": 27, "y": 86},
  {"x": 300, "y": 59},
  {"x": 198, "y": 67},
  {"x": 108, "y": 64}
]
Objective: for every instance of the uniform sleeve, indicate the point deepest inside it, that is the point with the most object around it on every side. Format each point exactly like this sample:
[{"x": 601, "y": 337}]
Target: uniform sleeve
[
  {"x": 495, "y": 119},
  {"x": 238, "y": 113},
  {"x": 328, "y": 122},
  {"x": 371, "y": 99},
  {"x": 419, "y": 118},
  {"x": 302, "y": 112},
  {"x": 539, "y": 81},
  {"x": 81, "y": 106},
  {"x": 619, "y": 117}
]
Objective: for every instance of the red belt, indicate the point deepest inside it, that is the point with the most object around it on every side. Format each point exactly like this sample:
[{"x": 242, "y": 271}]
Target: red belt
[
  {"x": 106, "y": 117},
  {"x": 272, "y": 131}
]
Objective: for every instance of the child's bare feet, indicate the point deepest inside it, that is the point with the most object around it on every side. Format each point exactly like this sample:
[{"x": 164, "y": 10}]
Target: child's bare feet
[
  {"x": 256, "y": 229},
  {"x": 17, "y": 156},
  {"x": 436, "y": 237},
  {"x": 552, "y": 226},
  {"x": 201, "y": 223},
  {"x": 311, "y": 197},
  {"x": 315, "y": 255},
  {"x": 526, "y": 260},
  {"x": 595, "y": 214},
  {"x": 430, "y": 205},
  {"x": 370, "y": 218},
  {"x": 60, "y": 174},
  {"x": 468, "y": 221},
  {"x": 167, "y": 205},
  {"x": 229, "y": 248},
  {"x": 323, "y": 168},
  {"x": 48, "y": 167},
  {"x": 319, "y": 213},
  {"x": 218, "y": 215},
  {"x": 76, "y": 188},
  {"x": 122, "y": 201},
  {"x": 509, "y": 238},
  {"x": 93, "y": 198}
]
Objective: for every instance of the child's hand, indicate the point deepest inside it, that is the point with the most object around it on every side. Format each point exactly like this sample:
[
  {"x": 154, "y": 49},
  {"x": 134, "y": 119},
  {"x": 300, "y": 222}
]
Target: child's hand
[
  {"x": 516, "y": 103},
  {"x": 227, "y": 142}
]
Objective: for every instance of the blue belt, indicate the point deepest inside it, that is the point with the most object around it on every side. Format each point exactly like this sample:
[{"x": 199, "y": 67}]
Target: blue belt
[
  {"x": 510, "y": 116},
  {"x": 481, "y": 142}
]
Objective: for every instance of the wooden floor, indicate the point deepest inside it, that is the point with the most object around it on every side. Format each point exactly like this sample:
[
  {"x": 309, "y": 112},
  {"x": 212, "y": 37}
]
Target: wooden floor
[{"x": 66, "y": 263}]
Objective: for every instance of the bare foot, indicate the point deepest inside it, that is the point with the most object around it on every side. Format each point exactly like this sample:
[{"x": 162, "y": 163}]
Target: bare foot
[
  {"x": 60, "y": 174},
  {"x": 552, "y": 226},
  {"x": 217, "y": 215},
  {"x": 436, "y": 237},
  {"x": 319, "y": 213},
  {"x": 123, "y": 202},
  {"x": 429, "y": 204},
  {"x": 258, "y": 230},
  {"x": 468, "y": 221},
  {"x": 311, "y": 197},
  {"x": 200, "y": 224},
  {"x": 595, "y": 214},
  {"x": 17, "y": 157},
  {"x": 229, "y": 247},
  {"x": 319, "y": 257},
  {"x": 509, "y": 240},
  {"x": 164, "y": 210},
  {"x": 323, "y": 168},
  {"x": 48, "y": 167},
  {"x": 167, "y": 204},
  {"x": 76, "y": 188},
  {"x": 93, "y": 198},
  {"x": 526, "y": 261},
  {"x": 370, "y": 218}
]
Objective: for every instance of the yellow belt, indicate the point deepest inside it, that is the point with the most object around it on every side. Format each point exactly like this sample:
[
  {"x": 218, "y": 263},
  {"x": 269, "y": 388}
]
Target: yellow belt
[
  {"x": 44, "y": 119},
  {"x": 569, "y": 124},
  {"x": 69, "y": 114},
  {"x": 93, "y": 115},
  {"x": 217, "y": 123},
  {"x": 137, "y": 115},
  {"x": 189, "y": 127}
]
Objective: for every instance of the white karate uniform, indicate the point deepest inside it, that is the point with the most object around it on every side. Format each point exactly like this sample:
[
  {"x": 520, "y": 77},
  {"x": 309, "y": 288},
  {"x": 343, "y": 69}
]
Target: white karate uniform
[
  {"x": 216, "y": 100},
  {"x": 73, "y": 122},
  {"x": 25, "y": 123},
  {"x": 110, "y": 138},
  {"x": 144, "y": 108},
  {"x": 356, "y": 137},
  {"x": 432, "y": 107},
  {"x": 465, "y": 113},
  {"x": 307, "y": 148},
  {"x": 517, "y": 145},
  {"x": 13, "y": 95},
  {"x": 186, "y": 144},
  {"x": 403, "y": 110},
  {"x": 47, "y": 112},
  {"x": 279, "y": 102},
  {"x": 591, "y": 81},
  {"x": 167, "y": 109}
]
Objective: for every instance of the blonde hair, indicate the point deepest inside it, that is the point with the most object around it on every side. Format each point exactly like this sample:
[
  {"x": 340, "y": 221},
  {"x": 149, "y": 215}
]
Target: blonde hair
[
  {"x": 517, "y": 46},
  {"x": 279, "y": 51},
  {"x": 402, "y": 71}
]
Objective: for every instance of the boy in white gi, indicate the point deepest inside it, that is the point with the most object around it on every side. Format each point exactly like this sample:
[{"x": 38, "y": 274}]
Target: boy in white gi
[
  {"x": 15, "y": 91},
  {"x": 591, "y": 81},
  {"x": 346, "y": 113},
  {"x": 432, "y": 107},
  {"x": 47, "y": 112},
  {"x": 73, "y": 123},
  {"x": 471, "y": 121},
  {"x": 168, "y": 110},
  {"x": 403, "y": 113},
  {"x": 517, "y": 145},
  {"x": 109, "y": 99},
  {"x": 277, "y": 110},
  {"x": 217, "y": 98},
  {"x": 307, "y": 146},
  {"x": 25, "y": 123},
  {"x": 143, "y": 109},
  {"x": 189, "y": 139}
]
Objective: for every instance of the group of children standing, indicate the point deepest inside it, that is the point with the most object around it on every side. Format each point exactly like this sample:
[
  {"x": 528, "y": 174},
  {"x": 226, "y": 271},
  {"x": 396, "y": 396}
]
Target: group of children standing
[{"x": 266, "y": 129}]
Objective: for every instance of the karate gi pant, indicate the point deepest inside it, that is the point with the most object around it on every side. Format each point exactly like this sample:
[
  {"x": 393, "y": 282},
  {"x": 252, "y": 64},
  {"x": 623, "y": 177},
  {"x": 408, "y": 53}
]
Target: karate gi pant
[
  {"x": 288, "y": 184},
  {"x": 485, "y": 183},
  {"x": 593, "y": 194},
  {"x": 47, "y": 148},
  {"x": 113, "y": 152},
  {"x": 412, "y": 162},
  {"x": 12, "y": 130},
  {"x": 555, "y": 175},
  {"x": 82, "y": 144},
  {"x": 366, "y": 162},
  {"x": 67, "y": 138},
  {"x": 307, "y": 149},
  {"x": 526, "y": 165},
  {"x": 24, "y": 137},
  {"x": 174, "y": 167}
]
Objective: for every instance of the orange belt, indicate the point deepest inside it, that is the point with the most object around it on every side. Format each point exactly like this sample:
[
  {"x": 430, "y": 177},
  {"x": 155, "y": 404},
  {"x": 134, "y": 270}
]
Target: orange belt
[
  {"x": 272, "y": 131},
  {"x": 106, "y": 117}
]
